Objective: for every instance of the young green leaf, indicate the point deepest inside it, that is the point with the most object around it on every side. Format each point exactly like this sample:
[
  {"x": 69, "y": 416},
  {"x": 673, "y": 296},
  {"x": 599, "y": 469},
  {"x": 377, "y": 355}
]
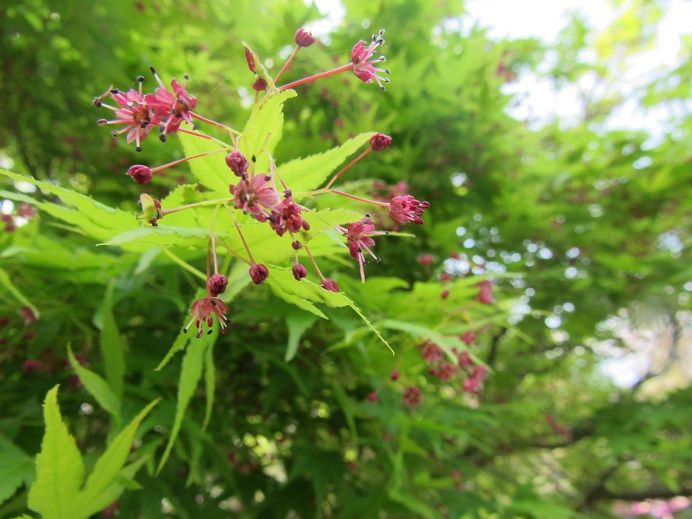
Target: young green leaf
[
  {"x": 298, "y": 323},
  {"x": 59, "y": 467},
  {"x": 96, "y": 386},
  {"x": 109, "y": 466},
  {"x": 112, "y": 348},
  {"x": 311, "y": 172},
  {"x": 16, "y": 467},
  {"x": 190, "y": 374}
]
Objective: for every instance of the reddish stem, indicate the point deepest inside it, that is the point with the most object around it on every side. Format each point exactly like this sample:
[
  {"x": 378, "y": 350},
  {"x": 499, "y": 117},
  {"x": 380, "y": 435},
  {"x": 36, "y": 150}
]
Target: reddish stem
[
  {"x": 358, "y": 198},
  {"x": 184, "y": 159},
  {"x": 242, "y": 238},
  {"x": 348, "y": 166},
  {"x": 286, "y": 65},
  {"x": 321, "y": 75}
]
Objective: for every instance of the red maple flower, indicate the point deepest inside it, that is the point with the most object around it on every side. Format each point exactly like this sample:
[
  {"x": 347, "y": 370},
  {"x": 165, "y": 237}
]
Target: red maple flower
[
  {"x": 134, "y": 112},
  {"x": 359, "y": 237},
  {"x": 412, "y": 396},
  {"x": 363, "y": 64},
  {"x": 204, "y": 310},
  {"x": 171, "y": 108},
  {"x": 256, "y": 196},
  {"x": 286, "y": 216},
  {"x": 404, "y": 209}
]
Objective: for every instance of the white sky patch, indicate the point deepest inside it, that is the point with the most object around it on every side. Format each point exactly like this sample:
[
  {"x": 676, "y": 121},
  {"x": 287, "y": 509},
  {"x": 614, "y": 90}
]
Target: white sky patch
[{"x": 539, "y": 101}]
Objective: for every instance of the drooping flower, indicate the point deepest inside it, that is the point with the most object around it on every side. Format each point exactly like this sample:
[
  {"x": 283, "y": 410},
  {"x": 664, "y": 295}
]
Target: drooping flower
[
  {"x": 133, "y": 111},
  {"x": 432, "y": 352},
  {"x": 485, "y": 293},
  {"x": 255, "y": 196},
  {"x": 258, "y": 273},
  {"x": 464, "y": 359},
  {"x": 286, "y": 216},
  {"x": 216, "y": 284},
  {"x": 363, "y": 64},
  {"x": 404, "y": 209},
  {"x": 330, "y": 284},
  {"x": 359, "y": 239},
  {"x": 171, "y": 108},
  {"x": 412, "y": 396},
  {"x": 304, "y": 38},
  {"x": 237, "y": 162},
  {"x": 446, "y": 371},
  {"x": 140, "y": 173},
  {"x": 468, "y": 337},
  {"x": 26, "y": 211},
  {"x": 299, "y": 271},
  {"x": 380, "y": 142},
  {"x": 203, "y": 311}
]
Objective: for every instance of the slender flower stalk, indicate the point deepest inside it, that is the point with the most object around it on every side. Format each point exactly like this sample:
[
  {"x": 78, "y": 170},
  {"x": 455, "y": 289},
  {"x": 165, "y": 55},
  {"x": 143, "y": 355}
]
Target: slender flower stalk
[
  {"x": 242, "y": 238},
  {"x": 287, "y": 64},
  {"x": 157, "y": 169},
  {"x": 357, "y": 198},
  {"x": 199, "y": 117},
  {"x": 315, "y": 77},
  {"x": 348, "y": 166}
]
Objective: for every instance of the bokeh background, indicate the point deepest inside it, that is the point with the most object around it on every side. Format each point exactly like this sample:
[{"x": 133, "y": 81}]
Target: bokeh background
[{"x": 553, "y": 142}]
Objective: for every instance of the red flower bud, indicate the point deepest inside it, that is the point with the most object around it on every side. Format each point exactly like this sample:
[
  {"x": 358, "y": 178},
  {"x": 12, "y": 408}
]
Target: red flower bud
[
  {"x": 380, "y": 142},
  {"x": 304, "y": 38},
  {"x": 299, "y": 271},
  {"x": 140, "y": 173},
  {"x": 372, "y": 397},
  {"x": 250, "y": 58},
  {"x": 237, "y": 162},
  {"x": 330, "y": 284},
  {"x": 216, "y": 284},
  {"x": 258, "y": 273},
  {"x": 259, "y": 85},
  {"x": 394, "y": 376},
  {"x": 296, "y": 245}
]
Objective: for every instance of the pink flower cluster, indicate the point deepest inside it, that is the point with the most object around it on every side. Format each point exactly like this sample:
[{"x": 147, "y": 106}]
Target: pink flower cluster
[
  {"x": 440, "y": 367},
  {"x": 256, "y": 193},
  {"x": 138, "y": 113}
]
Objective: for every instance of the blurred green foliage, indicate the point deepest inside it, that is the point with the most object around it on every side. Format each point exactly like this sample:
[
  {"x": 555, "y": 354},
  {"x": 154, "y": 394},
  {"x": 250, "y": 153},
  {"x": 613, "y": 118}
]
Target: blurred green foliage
[{"x": 571, "y": 223}]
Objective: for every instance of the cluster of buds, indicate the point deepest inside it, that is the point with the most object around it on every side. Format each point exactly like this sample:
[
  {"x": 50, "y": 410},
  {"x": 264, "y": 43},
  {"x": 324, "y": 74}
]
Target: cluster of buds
[
  {"x": 11, "y": 221},
  {"x": 263, "y": 195},
  {"x": 439, "y": 366}
]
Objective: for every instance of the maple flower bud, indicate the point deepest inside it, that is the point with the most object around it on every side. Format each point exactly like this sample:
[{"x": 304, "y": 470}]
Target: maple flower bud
[
  {"x": 250, "y": 58},
  {"x": 380, "y": 142},
  {"x": 296, "y": 245},
  {"x": 304, "y": 38},
  {"x": 216, "y": 284},
  {"x": 412, "y": 396},
  {"x": 372, "y": 397},
  {"x": 299, "y": 271},
  {"x": 330, "y": 284},
  {"x": 237, "y": 162},
  {"x": 259, "y": 85},
  {"x": 151, "y": 209},
  {"x": 394, "y": 375},
  {"x": 140, "y": 173},
  {"x": 258, "y": 273}
]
